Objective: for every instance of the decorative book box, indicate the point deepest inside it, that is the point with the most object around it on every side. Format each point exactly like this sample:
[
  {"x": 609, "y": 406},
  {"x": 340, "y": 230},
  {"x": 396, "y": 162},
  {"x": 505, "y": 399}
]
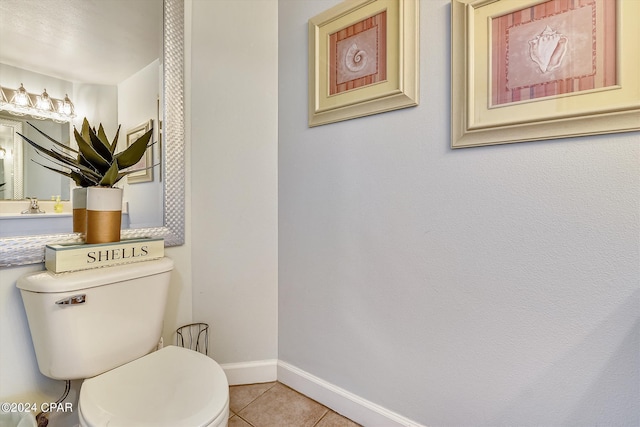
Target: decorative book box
[{"x": 74, "y": 257}]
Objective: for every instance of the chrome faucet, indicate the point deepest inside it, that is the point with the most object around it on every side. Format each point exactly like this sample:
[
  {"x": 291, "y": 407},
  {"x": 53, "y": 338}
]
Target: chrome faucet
[{"x": 33, "y": 206}]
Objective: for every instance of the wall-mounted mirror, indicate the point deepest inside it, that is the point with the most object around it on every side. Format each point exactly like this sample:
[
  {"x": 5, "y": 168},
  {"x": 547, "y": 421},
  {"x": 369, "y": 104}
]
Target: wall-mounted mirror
[{"x": 167, "y": 94}]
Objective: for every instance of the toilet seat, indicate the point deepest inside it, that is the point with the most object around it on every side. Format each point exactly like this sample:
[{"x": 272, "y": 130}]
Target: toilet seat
[{"x": 170, "y": 387}]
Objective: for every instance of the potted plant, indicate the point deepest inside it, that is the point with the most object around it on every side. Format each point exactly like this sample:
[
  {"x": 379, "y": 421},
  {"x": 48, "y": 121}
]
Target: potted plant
[{"x": 95, "y": 167}]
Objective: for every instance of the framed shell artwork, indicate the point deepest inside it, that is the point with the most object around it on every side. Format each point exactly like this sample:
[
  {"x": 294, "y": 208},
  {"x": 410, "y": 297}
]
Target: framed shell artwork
[
  {"x": 363, "y": 59},
  {"x": 527, "y": 70}
]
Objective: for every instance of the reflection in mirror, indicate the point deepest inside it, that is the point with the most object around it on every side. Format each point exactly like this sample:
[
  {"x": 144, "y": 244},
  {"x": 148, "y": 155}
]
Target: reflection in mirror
[
  {"x": 23, "y": 176},
  {"x": 10, "y": 150},
  {"x": 120, "y": 54},
  {"x": 169, "y": 151},
  {"x": 37, "y": 181}
]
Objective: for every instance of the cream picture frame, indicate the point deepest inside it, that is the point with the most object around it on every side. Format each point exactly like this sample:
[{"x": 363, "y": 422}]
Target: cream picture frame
[
  {"x": 476, "y": 121},
  {"x": 392, "y": 82},
  {"x": 144, "y": 168}
]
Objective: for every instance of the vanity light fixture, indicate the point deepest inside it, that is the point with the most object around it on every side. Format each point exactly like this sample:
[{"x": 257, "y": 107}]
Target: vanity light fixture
[
  {"x": 21, "y": 97},
  {"x": 67, "y": 107},
  {"x": 19, "y": 102},
  {"x": 3, "y": 97},
  {"x": 44, "y": 102}
]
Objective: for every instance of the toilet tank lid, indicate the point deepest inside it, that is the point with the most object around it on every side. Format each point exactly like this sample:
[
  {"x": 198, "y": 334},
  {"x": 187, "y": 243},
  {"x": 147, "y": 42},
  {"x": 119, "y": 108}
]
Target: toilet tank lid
[{"x": 48, "y": 282}]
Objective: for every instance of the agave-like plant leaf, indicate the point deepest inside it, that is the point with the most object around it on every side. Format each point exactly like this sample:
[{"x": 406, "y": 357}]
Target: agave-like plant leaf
[
  {"x": 65, "y": 146},
  {"x": 101, "y": 147},
  {"x": 111, "y": 176},
  {"x": 77, "y": 177},
  {"x": 67, "y": 161},
  {"x": 125, "y": 173},
  {"x": 103, "y": 136},
  {"x": 90, "y": 176},
  {"x": 114, "y": 144},
  {"x": 94, "y": 162},
  {"x": 46, "y": 151},
  {"x": 82, "y": 161},
  {"x": 105, "y": 139},
  {"x": 61, "y": 161},
  {"x": 84, "y": 131},
  {"x": 134, "y": 152},
  {"x": 90, "y": 155}
]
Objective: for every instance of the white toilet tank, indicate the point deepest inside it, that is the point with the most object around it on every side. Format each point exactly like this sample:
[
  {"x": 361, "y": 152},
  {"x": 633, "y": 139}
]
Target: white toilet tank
[{"x": 87, "y": 322}]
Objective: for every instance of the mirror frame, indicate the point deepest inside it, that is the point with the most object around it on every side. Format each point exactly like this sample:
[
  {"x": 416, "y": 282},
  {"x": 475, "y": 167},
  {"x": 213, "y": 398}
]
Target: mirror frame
[{"x": 24, "y": 250}]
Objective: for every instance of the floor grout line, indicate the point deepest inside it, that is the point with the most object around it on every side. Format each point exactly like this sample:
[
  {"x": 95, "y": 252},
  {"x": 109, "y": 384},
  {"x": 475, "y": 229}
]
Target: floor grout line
[
  {"x": 258, "y": 423},
  {"x": 256, "y": 398},
  {"x": 247, "y": 421},
  {"x": 323, "y": 415}
]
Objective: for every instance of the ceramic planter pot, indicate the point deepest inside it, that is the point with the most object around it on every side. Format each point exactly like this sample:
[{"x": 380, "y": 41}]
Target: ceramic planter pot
[
  {"x": 104, "y": 214},
  {"x": 79, "y": 204}
]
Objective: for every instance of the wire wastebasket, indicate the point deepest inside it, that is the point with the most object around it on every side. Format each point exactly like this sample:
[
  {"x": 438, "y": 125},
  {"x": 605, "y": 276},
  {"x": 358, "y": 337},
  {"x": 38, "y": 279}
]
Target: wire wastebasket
[{"x": 194, "y": 336}]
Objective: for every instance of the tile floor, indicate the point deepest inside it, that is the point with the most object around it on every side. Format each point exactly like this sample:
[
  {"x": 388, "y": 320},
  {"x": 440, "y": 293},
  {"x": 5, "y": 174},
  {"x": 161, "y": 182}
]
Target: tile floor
[{"x": 276, "y": 405}]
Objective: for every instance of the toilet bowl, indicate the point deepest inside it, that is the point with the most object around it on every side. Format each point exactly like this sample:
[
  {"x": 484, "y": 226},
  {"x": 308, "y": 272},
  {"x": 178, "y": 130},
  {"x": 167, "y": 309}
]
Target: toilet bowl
[
  {"x": 168, "y": 388},
  {"x": 102, "y": 327}
]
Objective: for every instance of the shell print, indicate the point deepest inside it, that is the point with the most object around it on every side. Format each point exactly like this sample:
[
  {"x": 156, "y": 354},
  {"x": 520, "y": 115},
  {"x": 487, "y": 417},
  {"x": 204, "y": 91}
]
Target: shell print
[
  {"x": 547, "y": 49},
  {"x": 355, "y": 59}
]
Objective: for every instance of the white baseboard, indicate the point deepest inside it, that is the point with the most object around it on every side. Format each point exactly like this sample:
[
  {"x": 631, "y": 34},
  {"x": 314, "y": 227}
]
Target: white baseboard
[
  {"x": 261, "y": 371},
  {"x": 339, "y": 400}
]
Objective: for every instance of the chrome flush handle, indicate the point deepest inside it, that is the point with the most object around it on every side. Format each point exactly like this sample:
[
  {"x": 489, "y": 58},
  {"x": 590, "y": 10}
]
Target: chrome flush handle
[{"x": 73, "y": 300}]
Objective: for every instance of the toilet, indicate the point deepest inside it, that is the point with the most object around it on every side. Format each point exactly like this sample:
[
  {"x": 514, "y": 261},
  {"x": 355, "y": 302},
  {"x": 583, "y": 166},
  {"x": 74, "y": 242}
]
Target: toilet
[{"x": 103, "y": 326}]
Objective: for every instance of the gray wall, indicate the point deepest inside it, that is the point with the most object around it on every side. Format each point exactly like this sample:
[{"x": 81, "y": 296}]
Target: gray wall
[{"x": 484, "y": 286}]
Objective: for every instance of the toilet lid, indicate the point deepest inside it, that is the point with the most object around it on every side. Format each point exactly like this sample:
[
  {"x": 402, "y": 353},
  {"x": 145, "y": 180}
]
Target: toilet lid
[{"x": 170, "y": 387}]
